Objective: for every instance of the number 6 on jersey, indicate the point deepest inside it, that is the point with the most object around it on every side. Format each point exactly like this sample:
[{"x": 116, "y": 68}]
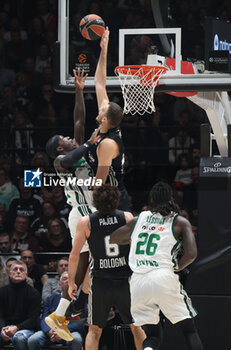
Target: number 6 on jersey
[{"x": 112, "y": 249}]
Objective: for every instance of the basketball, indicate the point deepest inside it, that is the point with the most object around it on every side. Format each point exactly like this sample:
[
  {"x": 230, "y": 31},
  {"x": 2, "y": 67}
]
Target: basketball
[{"x": 92, "y": 27}]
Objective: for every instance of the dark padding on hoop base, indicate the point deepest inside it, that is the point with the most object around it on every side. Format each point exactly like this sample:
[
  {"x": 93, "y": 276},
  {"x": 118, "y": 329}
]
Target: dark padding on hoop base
[{"x": 205, "y": 132}]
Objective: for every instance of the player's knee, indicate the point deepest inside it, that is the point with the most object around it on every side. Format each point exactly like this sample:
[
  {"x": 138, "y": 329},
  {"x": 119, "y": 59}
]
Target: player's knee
[
  {"x": 186, "y": 325},
  {"x": 95, "y": 332},
  {"x": 153, "y": 330},
  {"x": 190, "y": 333}
]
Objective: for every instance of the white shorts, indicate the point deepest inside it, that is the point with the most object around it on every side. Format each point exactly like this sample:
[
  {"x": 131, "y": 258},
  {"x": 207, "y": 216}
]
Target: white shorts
[
  {"x": 159, "y": 290},
  {"x": 73, "y": 219}
]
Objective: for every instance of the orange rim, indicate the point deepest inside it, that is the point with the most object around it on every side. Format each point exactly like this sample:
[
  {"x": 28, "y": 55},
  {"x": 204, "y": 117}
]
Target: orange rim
[
  {"x": 148, "y": 75},
  {"x": 134, "y": 69}
]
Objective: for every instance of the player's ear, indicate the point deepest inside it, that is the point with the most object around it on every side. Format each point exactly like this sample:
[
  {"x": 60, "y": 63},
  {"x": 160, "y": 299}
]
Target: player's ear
[{"x": 59, "y": 149}]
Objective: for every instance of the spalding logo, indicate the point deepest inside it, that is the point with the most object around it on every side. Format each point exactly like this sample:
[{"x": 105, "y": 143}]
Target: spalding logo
[{"x": 216, "y": 165}]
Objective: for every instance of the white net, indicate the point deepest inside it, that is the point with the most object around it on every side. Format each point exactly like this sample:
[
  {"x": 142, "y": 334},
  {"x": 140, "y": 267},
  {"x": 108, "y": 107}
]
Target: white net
[{"x": 138, "y": 85}]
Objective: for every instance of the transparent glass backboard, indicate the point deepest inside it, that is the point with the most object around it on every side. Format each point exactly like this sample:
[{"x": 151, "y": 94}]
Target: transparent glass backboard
[{"x": 126, "y": 47}]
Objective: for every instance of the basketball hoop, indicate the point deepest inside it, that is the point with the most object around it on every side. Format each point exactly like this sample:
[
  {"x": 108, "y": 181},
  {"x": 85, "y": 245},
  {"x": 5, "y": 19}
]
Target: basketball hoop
[{"x": 138, "y": 85}]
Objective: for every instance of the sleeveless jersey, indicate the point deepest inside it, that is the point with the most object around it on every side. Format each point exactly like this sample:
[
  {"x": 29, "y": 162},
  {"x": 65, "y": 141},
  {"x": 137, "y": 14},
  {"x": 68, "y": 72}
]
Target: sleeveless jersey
[
  {"x": 153, "y": 243},
  {"x": 79, "y": 195},
  {"x": 107, "y": 260},
  {"x": 116, "y": 171}
]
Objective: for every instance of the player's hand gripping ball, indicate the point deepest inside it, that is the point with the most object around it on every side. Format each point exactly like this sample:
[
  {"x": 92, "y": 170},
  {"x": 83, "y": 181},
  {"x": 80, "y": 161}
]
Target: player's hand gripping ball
[{"x": 92, "y": 27}]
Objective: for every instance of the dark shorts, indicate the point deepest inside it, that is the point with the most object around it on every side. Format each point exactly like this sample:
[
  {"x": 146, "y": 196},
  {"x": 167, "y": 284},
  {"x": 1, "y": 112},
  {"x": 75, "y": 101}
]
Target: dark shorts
[{"x": 105, "y": 293}]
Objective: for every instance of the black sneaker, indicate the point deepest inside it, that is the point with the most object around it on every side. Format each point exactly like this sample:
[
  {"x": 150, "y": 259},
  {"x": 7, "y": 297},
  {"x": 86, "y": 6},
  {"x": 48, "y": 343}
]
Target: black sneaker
[{"x": 77, "y": 315}]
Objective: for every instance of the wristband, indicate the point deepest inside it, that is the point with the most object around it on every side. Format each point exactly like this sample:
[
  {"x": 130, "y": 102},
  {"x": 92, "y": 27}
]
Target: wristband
[{"x": 88, "y": 144}]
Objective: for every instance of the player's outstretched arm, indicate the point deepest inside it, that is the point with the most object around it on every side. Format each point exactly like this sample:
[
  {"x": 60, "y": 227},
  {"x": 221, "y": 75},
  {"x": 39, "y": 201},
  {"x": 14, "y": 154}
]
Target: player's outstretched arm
[
  {"x": 121, "y": 236},
  {"x": 63, "y": 163},
  {"x": 79, "y": 114},
  {"x": 101, "y": 71},
  {"x": 183, "y": 229},
  {"x": 82, "y": 233}
]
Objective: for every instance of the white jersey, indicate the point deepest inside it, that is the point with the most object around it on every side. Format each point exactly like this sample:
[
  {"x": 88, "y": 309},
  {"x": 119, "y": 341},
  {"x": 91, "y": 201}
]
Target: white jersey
[
  {"x": 153, "y": 243},
  {"x": 79, "y": 195}
]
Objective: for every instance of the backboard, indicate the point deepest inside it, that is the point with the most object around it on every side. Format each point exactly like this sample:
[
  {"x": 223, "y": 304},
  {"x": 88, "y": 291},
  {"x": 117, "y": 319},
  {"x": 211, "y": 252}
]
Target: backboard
[{"x": 126, "y": 47}]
